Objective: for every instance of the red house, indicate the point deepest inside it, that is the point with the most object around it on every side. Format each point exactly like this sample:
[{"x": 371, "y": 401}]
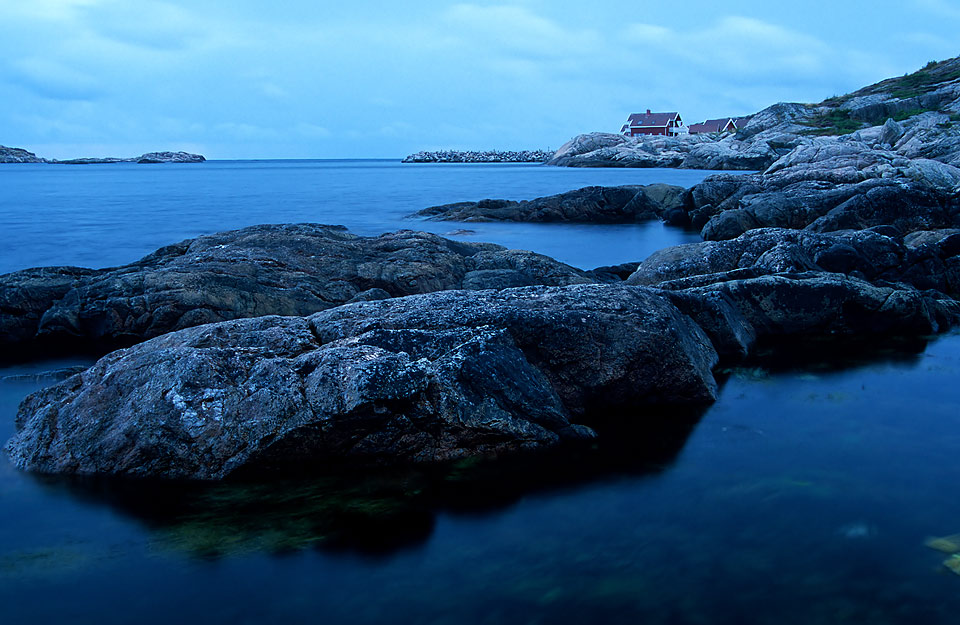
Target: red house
[{"x": 653, "y": 124}]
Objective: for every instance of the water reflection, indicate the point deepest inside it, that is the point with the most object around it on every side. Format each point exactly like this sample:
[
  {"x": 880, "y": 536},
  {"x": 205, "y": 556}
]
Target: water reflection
[{"x": 374, "y": 512}]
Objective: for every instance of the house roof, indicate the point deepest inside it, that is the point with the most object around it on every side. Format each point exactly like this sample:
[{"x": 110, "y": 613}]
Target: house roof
[
  {"x": 651, "y": 120},
  {"x": 712, "y": 125}
]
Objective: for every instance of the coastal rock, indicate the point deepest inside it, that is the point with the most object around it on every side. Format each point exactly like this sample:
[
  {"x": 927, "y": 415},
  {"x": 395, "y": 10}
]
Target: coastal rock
[
  {"x": 830, "y": 184},
  {"x": 926, "y": 260},
  {"x": 26, "y": 295},
  {"x": 433, "y": 377},
  {"x": 927, "y": 103},
  {"x": 18, "y": 155},
  {"x": 293, "y": 269},
  {"x": 627, "y": 204},
  {"x": 420, "y": 379}
]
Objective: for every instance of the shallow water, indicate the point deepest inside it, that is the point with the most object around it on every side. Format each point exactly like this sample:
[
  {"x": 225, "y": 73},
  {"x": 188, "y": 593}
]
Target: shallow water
[{"x": 803, "y": 496}]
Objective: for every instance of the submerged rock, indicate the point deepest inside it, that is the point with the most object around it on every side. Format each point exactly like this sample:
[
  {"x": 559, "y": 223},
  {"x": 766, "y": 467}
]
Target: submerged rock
[{"x": 293, "y": 269}]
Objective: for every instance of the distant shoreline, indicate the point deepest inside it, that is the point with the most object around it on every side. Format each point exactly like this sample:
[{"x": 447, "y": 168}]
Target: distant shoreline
[{"x": 19, "y": 155}]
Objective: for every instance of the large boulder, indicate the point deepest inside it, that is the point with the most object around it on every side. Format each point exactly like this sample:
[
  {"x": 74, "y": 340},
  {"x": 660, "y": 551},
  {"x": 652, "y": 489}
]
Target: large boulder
[
  {"x": 433, "y": 377},
  {"x": 293, "y": 269},
  {"x": 419, "y": 379}
]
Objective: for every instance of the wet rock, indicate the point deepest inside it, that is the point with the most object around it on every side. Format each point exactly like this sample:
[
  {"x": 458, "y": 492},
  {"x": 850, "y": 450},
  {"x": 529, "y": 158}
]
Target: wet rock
[
  {"x": 432, "y": 377},
  {"x": 262, "y": 270},
  {"x": 420, "y": 379},
  {"x": 26, "y": 295}
]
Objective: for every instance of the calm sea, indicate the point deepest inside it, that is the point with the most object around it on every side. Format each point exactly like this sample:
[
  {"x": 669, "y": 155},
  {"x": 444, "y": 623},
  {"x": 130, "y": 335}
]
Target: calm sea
[{"x": 803, "y": 496}]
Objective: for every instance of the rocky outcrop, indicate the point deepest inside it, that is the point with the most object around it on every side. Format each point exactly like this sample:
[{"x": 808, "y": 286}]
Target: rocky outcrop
[
  {"x": 421, "y": 379},
  {"x": 472, "y": 156},
  {"x": 432, "y": 377},
  {"x": 607, "y": 205},
  {"x": 262, "y": 270},
  {"x": 832, "y": 183},
  {"x": 18, "y": 155},
  {"x": 149, "y": 158},
  {"x": 927, "y": 102},
  {"x": 26, "y": 295},
  {"x": 699, "y": 151},
  {"x": 926, "y": 260}
]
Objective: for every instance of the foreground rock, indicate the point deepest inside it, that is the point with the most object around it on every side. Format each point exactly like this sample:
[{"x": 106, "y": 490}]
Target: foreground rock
[
  {"x": 421, "y": 379},
  {"x": 18, "y": 155},
  {"x": 432, "y": 377},
  {"x": 262, "y": 270},
  {"x": 605, "y": 205}
]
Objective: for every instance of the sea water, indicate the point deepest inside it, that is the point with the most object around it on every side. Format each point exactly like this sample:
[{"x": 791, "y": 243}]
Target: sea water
[{"x": 804, "y": 495}]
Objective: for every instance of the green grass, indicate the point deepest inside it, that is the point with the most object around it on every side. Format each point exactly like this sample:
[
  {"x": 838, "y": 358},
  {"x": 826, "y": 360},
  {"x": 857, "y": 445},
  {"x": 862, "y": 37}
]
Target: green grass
[
  {"x": 902, "y": 115},
  {"x": 919, "y": 82},
  {"x": 835, "y": 122}
]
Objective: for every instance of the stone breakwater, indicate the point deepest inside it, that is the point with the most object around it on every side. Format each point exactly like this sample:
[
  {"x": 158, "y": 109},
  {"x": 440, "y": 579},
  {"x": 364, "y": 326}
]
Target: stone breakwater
[{"x": 490, "y": 156}]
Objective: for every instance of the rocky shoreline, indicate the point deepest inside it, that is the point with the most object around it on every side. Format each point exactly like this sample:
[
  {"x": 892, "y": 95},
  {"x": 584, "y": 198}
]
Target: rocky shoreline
[
  {"x": 925, "y": 105},
  {"x": 412, "y": 348},
  {"x": 18, "y": 155},
  {"x": 471, "y": 156}
]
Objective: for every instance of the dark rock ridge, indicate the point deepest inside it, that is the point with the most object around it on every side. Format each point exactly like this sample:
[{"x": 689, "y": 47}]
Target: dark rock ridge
[
  {"x": 432, "y": 377},
  {"x": 470, "y": 156},
  {"x": 611, "y": 205},
  {"x": 18, "y": 155},
  {"x": 262, "y": 270},
  {"x": 927, "y": 103},
  {"x": 925, "y": 259}
]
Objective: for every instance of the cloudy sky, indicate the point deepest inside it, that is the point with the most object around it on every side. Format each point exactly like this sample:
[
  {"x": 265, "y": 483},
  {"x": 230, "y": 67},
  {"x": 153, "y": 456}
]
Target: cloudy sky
[{"x": 321, "y": 79}]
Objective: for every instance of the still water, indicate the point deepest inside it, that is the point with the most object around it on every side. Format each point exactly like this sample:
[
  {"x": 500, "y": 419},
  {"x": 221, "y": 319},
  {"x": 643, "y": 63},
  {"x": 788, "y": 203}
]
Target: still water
[
  {"x": 803, "y": 496},
  {"x": 105, "y": 215}
]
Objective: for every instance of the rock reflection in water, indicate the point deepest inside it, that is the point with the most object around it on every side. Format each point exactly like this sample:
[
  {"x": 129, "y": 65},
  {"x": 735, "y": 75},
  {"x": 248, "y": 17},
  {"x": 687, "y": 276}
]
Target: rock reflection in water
[{"x": 373, "y": 512}]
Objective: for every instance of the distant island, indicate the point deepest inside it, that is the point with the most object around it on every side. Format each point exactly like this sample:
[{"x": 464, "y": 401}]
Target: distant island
[
  {"x": 471, "y": 156},
  {"x": 19, "y": 155}
]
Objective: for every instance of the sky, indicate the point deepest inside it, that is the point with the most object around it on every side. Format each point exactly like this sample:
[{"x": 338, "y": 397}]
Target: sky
[{"x": 378, "y": 79}]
